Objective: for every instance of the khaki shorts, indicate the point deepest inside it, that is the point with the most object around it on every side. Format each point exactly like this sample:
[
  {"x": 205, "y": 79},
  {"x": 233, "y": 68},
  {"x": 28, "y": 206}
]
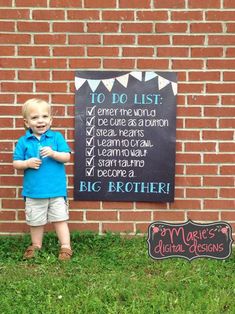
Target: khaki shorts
[{"x": 39, "y": 211}]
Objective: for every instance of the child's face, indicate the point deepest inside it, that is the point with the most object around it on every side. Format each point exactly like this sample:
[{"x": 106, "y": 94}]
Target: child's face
[{"x": 38, "y": 118}]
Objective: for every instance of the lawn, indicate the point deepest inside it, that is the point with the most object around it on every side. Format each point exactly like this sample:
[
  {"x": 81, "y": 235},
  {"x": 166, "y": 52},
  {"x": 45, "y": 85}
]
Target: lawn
[{"x": 110, "y": 274}]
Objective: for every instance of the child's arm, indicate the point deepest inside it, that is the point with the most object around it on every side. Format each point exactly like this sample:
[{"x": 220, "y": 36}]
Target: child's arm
[
  {"x": 33, "y": 163},
  {"x": 58, "y": 156}
]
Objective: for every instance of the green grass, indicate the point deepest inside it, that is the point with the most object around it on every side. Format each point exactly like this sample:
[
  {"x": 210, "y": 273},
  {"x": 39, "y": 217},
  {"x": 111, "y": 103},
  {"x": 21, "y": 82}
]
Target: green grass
[{"x": 110, "y": 274}]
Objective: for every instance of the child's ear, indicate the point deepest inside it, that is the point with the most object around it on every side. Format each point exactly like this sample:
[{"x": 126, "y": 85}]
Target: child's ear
[{"x": 26, "y": 123}]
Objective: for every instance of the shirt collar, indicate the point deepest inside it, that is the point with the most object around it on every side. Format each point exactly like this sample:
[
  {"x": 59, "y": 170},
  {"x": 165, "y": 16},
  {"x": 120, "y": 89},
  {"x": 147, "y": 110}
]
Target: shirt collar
[{"x": 29, "y": 133}]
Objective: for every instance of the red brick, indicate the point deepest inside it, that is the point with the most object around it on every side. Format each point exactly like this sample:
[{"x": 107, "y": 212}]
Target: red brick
[
  {"x": 209, "y": 4},
  {"x": 187, "y": 15},
  {"x": 31, "y": 75},
  {"x": 37, "y": 27},
  {"x": 188, "y": 40},
  {"x": 101, "y": 215},
  {"x": 136, "y": 27},
  {"x": 15, "y": 38},
  {"x": 102, "y": 51},
  {"x": 219, "y": 204},
  {"x": 201, "y": 193},
  {"x": 200, "y": 147},
  {"x": 119, "y": 39},
  {"x": 203, "y": 170},
  {"x": 55, "y": 39},
  {"x": 217, "y": 181},
  {"x": 228, "y": 100},
  {"x": 134, "y": 4},
  {"x": 219, "y": 158},
  {"x": 217, "y": 135},
  {"x": 107, "y": 27},
  {"x": 172, "y": 52},
  {"x": 200, "y": 123},
  {"x": 227, "y": 193},
  {"x": 169, "y": 215},
  {"x": 187, "y": 64},
  {"x": 118, "y": 64},
  {"x": 188, "y": 135},
  {"x": 84, "y": 205},
  {"x": 204, "y": 52},
  {"x": 229, "y": 76},
  {"x": 220, "y": 15},
  {"x": 33, "y": 51},
  {"x": 221, "y": 64},
  {"x": 118, "y": 227},
  {"x": 204, "y": 76},
  {"x": 5, "y": 3},
  {"x": 227, "y": 170},
  {"x": 135, "y": 216},
  {"x": 229, "y": 4},
  {"x": 188, "y": 158},
  {"x": 227, "y": 215},
  {"x": 227, "y": 123},
  {"x": 152, "y": 15},
  {"x": 7, "y": 75},
  {"x": 153, "y": 40},
  {"x": 31, "y": 3},
  {"x": 66, "y": 4},
  {"x": 169, "y": 4},
  {"x": 7, "y": 26},
  {"x": 50, "y": 63},
  {"x": 171, "y": 27},
  {"x": 221, "y": 40},
  {"x": 75, "y": 215},
  {"x": 137, "y": 52},
  {"x": 14, "y": 227},
  {"x": 17, "y": 87},
  {"x": 48, "y": 15},
  {"x": 203, "y": 216},
  {"x": 100, "y": 4},
  {"x": 7, "y": 193},
  {"x": 7, "y": 215},
  {"x": 68, "y": 51},
  {"x": 153, "y": 64},
  {"x": 85, "y": 39},
  {"x": 219, "y": 112},
  {"x": 203, "y": 100},
  {"x": 117, "y": 15},
  {"x": 15, "y": 14},
  {"x": 51, "y": 87},
  {"x": 68, "y": 27},
  {"x": 84, "y": 226},
  {"x": 227, "y": 146},
  {"x": 185, "y": 204},
  {"x": 13, "y": 204},
  {"x": 230, "y": 52}
]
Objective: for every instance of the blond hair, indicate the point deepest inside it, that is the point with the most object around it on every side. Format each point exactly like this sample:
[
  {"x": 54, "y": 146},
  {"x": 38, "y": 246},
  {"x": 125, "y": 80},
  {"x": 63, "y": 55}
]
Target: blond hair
[{"x": 34, "y": 101}]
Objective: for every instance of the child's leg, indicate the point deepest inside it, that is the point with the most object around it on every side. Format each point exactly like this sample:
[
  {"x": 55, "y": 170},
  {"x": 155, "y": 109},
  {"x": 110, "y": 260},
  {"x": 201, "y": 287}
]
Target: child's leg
[
  {"x": 37, "y": 235},
  {"x": 62, "y": 231}
]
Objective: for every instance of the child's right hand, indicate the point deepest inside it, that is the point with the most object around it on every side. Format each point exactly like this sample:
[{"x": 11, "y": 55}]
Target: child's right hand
[{"x": 33, "y": 163}]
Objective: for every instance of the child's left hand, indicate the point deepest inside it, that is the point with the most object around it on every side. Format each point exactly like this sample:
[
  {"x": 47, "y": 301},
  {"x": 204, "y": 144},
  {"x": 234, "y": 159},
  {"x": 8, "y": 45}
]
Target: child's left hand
[{"x": 46, "y": 151}]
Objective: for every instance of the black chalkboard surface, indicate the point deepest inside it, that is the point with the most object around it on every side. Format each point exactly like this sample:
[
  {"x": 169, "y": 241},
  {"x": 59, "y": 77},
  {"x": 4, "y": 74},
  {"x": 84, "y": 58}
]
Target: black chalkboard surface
[{"x": 125, "y": 126}]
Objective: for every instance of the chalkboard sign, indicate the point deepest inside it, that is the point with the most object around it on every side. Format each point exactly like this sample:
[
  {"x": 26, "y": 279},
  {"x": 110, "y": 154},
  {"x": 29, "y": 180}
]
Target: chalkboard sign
[
  {"x": 125, "y": 126},
  {"x": 189, "y": 240}
]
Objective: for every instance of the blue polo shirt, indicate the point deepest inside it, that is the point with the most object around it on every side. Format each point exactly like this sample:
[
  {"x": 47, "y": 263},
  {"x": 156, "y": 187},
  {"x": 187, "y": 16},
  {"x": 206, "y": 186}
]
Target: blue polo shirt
[{"x": 50, "y": 179}]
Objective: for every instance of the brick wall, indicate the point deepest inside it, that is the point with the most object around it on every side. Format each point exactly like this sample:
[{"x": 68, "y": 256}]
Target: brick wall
[{"x": 43, "y": 42}]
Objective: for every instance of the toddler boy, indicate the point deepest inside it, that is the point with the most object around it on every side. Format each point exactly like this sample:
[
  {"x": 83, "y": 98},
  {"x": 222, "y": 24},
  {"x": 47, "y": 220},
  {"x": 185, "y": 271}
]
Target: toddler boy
[{"x": 41, "y": 153}]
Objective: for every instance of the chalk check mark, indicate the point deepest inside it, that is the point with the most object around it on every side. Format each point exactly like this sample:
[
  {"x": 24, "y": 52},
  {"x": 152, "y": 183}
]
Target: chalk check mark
[
  {"x": 90, "y": 141},
  {"x": 90, "y": 131},
  {"x": 90, "y": 151},
  {"x": 90, "y": 121},
  {"x": 90, "y": 161},
  {"x": 90, "y": 111},
  {"x": 90, "y": 172}
]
